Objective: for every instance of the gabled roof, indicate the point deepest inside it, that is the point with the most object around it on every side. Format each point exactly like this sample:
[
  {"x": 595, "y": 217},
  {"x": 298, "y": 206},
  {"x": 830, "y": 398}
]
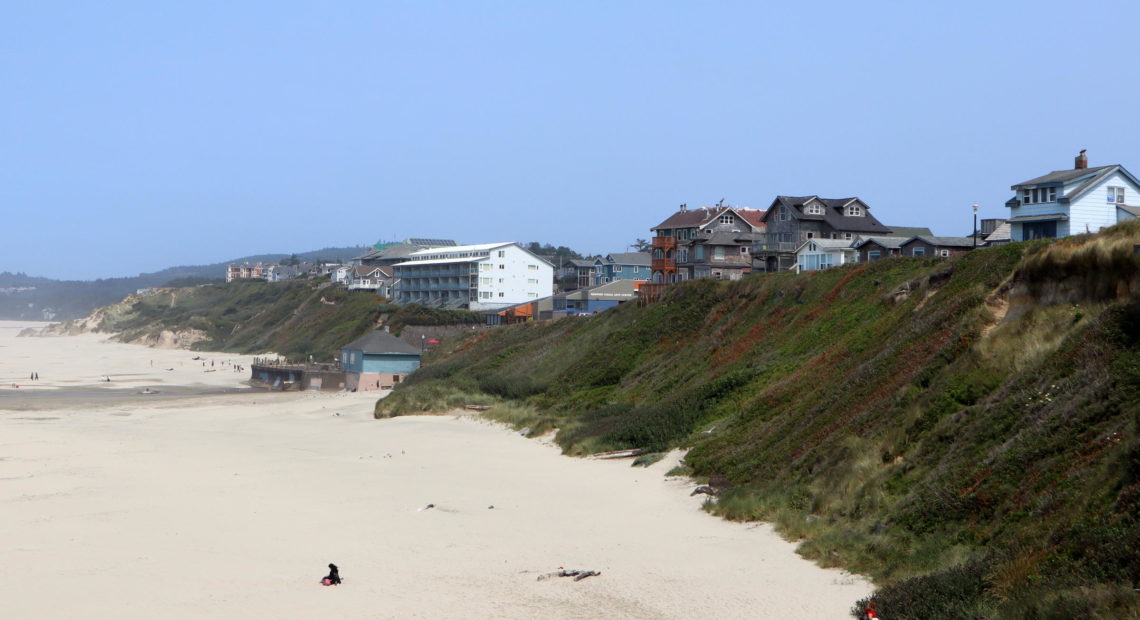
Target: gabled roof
[
  {"x": 701, "y": 216},
  {"x": 628, "y": 258},
  {"x": 381, "y": 343},
  {"x": 945, "y": 242},
  {"x": 832, "y": 213},
  {"x": 364, "y": 270},
  {"x": 829, "y": 244},
  {"x": 906, "y": 232},
  {"x": 889, "y": 242},
  {"x": 580, "y": 263},
  {"x": 1062, "y": 177},
  {"x": 1088, "y": 177}
]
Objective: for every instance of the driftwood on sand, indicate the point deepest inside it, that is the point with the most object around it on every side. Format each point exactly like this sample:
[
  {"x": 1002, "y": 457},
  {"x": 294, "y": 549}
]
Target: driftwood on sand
[
  {"x": 618, "y": 454},
  {"x": 578, "y": 575}
]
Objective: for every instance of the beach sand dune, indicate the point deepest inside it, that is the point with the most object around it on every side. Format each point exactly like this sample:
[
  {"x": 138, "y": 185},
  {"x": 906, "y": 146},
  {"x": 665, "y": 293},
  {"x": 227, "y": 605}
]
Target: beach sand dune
[{"x": 232, "y": 505}]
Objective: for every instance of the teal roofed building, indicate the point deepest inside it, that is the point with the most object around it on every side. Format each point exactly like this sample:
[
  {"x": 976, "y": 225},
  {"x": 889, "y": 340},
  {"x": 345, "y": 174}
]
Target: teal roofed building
[{"x": 377, "y": 361}]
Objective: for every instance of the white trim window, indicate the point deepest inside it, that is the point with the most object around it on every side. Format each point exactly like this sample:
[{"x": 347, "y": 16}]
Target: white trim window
[
  {"x": 617, "y": 268},
  {"x": 1039, "y": 195},
  {"x": 1116, "y": 195},
  {"x": 726, "y": 218},
  {"x": 854, "y": 211},
  {"x": 814, "y": 209},
  {"x": 918, "y": 251},
  {"x": 944, "y": 253}
]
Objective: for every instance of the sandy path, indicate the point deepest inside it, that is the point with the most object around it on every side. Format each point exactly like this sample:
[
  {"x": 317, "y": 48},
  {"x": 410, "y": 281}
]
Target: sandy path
[{"x": 230, "y": 506}]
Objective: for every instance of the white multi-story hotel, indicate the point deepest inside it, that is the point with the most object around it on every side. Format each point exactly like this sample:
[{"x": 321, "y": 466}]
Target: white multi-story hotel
[{"x": 480, "y": 277}]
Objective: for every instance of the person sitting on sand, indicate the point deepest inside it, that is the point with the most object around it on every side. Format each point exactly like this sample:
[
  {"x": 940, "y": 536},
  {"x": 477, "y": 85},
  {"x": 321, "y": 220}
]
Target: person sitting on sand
[{"x": 333, "y": 578}]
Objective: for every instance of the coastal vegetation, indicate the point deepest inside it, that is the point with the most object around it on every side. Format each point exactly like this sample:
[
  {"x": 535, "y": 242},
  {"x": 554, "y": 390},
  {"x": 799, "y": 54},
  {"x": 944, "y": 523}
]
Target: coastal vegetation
[
  {"x": 964, "y": 431},
  {"x": 295, "y": 319}
]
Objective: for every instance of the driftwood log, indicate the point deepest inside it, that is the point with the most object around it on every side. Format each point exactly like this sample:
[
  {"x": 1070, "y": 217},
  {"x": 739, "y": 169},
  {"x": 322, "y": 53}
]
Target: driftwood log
[{"x": 578, "y": 575}]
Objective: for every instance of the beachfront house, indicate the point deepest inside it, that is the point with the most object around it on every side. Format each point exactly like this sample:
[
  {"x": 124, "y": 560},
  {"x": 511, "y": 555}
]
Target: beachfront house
[
  {"x": 377, "y": 361},
  {"x": 936, "y": 247},
  {"x": 622, "y": 266},
  {"x": 1072, "y": 202},
  {"x": 709, "y": 242},
  {"x": 820, "y": 254},
  {"x": 792, "y": 221},
  {"x": 876, "y": 247},
  {"x": 488, "y": 276}
]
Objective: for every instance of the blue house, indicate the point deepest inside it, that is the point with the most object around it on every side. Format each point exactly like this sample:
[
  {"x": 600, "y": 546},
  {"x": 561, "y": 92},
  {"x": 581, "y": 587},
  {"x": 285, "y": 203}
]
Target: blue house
[
  {"x": 622, "y": 266},
  {"x": 1072, "y": 202},
  {"x": 377, "y": 361}
]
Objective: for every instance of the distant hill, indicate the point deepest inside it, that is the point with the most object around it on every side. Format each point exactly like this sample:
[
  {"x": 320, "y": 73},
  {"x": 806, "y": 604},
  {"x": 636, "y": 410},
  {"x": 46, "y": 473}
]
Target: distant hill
[{"x": 24, "y": 297}]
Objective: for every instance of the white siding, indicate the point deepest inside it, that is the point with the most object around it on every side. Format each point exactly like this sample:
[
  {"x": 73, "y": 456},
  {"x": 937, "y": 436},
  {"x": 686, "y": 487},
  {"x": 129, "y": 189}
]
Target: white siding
[
  {"x": 513, "y": 280},
  {"x": 1092, "y": 211}
]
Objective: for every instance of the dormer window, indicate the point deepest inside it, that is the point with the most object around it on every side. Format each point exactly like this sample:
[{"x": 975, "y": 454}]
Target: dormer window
[
  {"x": 814, "y": 209},
  {"x": 853, "y": 211},
  {"x": 1038, "y": 195},
  {"x": 1116, "y": 195}
]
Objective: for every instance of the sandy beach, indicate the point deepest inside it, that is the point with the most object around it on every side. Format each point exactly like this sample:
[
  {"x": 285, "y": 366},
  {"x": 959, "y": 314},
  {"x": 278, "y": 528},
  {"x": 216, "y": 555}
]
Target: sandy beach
[{"x": 207, "y": 500}]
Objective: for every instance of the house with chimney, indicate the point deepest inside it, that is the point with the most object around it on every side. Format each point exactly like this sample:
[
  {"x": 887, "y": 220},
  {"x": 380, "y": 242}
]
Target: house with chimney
[
  {"x": 1072, "y": 202},
  {"x": 707, "y": 242},
  {"x": 792, "y": 221}
]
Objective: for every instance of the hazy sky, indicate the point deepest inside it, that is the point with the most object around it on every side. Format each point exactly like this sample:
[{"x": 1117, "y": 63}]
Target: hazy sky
[{"x": 138, "y": 136}]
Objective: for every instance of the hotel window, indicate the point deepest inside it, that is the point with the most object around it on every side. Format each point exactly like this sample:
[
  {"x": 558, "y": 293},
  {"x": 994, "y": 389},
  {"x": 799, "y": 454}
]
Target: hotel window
[{"x": 1116, "y": 195}]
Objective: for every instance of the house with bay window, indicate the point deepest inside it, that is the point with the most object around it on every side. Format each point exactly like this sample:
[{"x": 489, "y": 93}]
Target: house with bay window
[
  {"x": 707, "y": 242},
  {"x": 1072, "y": 202}
]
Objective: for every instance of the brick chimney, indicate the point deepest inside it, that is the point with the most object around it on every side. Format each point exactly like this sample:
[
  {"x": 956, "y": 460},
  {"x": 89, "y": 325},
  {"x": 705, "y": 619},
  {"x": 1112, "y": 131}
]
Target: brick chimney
[{"x": 1082, "y": 161}]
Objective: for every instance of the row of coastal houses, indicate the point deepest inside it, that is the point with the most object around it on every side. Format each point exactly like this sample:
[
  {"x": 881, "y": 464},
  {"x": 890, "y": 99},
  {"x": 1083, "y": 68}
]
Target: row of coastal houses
[{"x": 806, "y": 233}]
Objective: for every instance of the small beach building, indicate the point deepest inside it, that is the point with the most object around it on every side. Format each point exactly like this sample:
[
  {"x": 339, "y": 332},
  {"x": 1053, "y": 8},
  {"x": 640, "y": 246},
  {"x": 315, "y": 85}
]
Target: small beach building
[{"x": 377, "y": 361}]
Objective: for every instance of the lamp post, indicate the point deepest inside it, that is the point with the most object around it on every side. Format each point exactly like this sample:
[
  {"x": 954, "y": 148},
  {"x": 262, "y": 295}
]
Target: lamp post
[{"x": 975, "y": 233}]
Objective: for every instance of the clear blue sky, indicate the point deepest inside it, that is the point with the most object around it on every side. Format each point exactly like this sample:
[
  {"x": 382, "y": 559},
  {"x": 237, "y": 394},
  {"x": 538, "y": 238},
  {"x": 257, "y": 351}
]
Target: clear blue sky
[{"x": 138, "y": 136}]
